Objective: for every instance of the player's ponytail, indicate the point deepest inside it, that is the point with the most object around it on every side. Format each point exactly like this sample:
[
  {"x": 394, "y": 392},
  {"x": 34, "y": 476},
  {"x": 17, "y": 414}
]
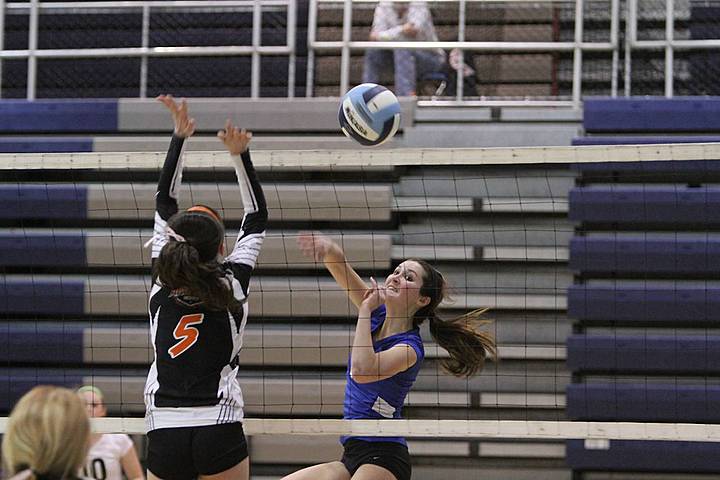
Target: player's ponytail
[
  {"x": 188, "y": 263},
  {"x": 467, "y": 345}
]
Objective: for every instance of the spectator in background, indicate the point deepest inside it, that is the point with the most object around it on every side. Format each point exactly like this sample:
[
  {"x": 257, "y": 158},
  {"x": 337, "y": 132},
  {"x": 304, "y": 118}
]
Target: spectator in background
[
  {"x": 47, "y": 435},
  {"x": 403, "y": 21},
  {"x": 110, "y": 454},
  {"x": 468, "y": 73}
]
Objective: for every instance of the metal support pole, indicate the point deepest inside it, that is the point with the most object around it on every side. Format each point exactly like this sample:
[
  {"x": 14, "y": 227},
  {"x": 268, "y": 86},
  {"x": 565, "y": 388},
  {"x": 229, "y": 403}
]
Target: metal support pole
[
  {"x": 577, "y": 54},
  {"x": 615, "y": 40},
  {"x": 345, "y": 58},
  {"x": 145, "y": 44},
  {"x": 630, "y": 37},
  {"x": 291, "y": 24},
  {"x": 32, "y": 48},
  {"x": 669, "y": 53},
  {"x": 310, "y": 73},
  {"x": 2, "y": 37},
  {"x": 255, "y": 64},
  {"x": 461, "y": 38}
]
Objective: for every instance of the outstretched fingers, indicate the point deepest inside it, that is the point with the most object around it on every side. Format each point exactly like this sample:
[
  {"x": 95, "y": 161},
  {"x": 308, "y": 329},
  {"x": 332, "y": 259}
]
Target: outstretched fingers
[
  {"x": 311, "y": 246},
  {"x": 236, "y": 139},
  {"x": 184, "y": 125}
]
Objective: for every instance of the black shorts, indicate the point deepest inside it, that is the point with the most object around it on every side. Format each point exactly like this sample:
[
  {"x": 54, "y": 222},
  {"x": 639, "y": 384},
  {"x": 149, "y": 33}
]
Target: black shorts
[
  {"x": 392, "y": 456},
  {"x": 185, "y": 453}
]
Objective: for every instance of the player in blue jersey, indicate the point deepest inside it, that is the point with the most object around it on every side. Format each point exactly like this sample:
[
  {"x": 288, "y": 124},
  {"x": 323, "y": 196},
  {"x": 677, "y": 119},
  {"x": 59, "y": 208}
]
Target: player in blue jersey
[{"x": 387, "y": 354}]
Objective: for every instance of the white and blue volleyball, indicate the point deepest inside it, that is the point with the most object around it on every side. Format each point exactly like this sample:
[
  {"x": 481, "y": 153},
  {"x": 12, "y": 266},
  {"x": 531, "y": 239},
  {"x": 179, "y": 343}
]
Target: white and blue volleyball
[{"x": 369, "y": 114}]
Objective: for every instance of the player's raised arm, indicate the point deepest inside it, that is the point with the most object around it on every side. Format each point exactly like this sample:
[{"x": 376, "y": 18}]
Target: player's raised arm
[
  {"x": 166, "y": 198},
  {"x": 322, "y": 248},
  {"x": 252, "y": 232}
]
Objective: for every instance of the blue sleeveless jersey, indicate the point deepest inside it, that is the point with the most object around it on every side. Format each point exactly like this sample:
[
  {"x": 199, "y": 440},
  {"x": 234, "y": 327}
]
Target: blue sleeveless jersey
[{"x": 383, "y": 399}]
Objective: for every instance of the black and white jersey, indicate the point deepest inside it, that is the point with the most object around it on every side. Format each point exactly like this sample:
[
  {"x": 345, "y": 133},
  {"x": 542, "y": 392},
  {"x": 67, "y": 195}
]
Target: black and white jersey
[{"x": 193, "y": 378}]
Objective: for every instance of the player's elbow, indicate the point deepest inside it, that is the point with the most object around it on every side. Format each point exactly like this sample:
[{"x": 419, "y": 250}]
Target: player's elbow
[
  {"x": 363, "y": 373},
  {"x": 363, "y": 378}
]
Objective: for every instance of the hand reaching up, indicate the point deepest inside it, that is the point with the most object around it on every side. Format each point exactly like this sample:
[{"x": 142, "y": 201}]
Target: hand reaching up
[
  {"x": 318, "y": 246},
  {"x": 236, "y": 140},
  {"x": 184, "y": 125},
  {"x": 374, "y": 296}
]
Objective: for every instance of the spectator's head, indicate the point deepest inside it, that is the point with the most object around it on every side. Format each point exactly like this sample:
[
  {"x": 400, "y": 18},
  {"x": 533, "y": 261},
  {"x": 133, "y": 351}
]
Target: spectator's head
[
  {"x": 400, "y": 8},
  {"x": 48, "y": 433},
  {"x": 94, "y": 400}
]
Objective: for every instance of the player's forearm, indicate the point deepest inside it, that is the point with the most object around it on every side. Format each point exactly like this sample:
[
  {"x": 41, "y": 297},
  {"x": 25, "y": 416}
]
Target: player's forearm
[
  {"x": 253, "y": 197},
  {"x": 388, "y": 35},
  {"x": 170, "y": 179},
  {"x": 346, "y": 276},
  {"x": 363, "y": 356}
]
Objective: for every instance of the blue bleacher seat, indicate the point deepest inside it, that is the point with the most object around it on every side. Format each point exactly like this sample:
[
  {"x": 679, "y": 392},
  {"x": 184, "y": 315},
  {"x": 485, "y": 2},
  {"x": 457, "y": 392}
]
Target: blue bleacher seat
[
  {"x": 36, "y": 296},
  {"x": 643, "y": 402},
  {"x": 644, "y": 140},
  {"x": 42, "y": 249},
  {"x": 644, "y": 456},
  {"x": 31, "y": 201},
  {"x": 669, "y": 166},
  {"x": 28, "y": 343},
  {"x": 678, "y": 303},
  {"x": 45, "y": 145},
  {"x": 696, "y": 254},
  {"x": 15, "y": 382},
  {"x": 58, "y": 116},
  {"x": 652, "y": 114},
  {"x": 667, "y": 205},
  {"x": 671, "y": 354}
]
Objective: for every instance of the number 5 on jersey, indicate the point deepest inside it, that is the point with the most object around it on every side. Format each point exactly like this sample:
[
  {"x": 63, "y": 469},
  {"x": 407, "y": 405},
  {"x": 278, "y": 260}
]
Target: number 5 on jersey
[{"x": 187, "y": 334}]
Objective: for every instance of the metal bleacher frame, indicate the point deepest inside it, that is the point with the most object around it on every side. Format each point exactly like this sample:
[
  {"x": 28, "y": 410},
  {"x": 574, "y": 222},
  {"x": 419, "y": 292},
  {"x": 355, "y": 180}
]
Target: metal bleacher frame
[{"x": 582, "y": 13}]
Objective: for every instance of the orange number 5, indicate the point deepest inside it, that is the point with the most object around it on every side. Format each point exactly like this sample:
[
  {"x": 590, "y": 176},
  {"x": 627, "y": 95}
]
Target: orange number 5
[{"x": 186, "y": 334}]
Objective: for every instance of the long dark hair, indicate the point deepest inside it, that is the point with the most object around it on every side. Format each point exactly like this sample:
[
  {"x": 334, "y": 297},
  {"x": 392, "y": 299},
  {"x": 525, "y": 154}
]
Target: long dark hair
[
  {"x": 467, "y": 345},
  {"x": 190, "y": 266}
]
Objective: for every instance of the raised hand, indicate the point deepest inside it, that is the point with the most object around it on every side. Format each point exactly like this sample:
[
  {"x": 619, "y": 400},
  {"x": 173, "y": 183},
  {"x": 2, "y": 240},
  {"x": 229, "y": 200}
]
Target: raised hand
[
  {"x": 184, "y": 125},
  {"x": 236, "y": 140},
  {"x": 374, "y": 296},
  {"x": 317, "y": 246}
]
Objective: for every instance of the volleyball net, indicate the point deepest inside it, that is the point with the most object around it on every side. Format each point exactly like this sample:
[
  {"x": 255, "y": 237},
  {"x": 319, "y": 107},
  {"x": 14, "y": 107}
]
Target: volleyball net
[{"x": 598, "y": 264}]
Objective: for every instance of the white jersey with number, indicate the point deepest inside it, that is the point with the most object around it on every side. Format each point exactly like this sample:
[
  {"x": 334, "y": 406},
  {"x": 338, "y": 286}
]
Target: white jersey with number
[{"x": 104, "y": 458}]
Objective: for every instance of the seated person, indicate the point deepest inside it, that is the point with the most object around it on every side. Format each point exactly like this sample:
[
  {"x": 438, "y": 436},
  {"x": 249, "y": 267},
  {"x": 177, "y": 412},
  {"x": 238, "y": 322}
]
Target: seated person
[
  {"x": 401, "y": 21},
  {"x": 110, "y": 454}
]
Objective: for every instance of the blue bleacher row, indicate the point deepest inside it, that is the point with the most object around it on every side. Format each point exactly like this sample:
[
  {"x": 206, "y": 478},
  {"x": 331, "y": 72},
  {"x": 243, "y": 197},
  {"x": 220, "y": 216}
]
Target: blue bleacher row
[
  {"x": 640, "y": 254},
  {"x": 647, "y": 120},
  {"x": 643, "y": 456},
  {"x": 632, "y": 204},
  {"x": 38, "y": 126},
  {"x": 607, "y": 120},
  {"x": 643, "y": 204}
]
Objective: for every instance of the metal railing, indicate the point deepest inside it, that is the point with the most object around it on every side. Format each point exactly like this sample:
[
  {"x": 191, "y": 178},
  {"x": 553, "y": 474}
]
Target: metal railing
[
  {"x": 34, "y": 8},
  {"x": 574, "y": 47},
  {"x": 620, "y": 75},
  {"x": 577, "y": 46},
  {"x": 669, "y": 45}
]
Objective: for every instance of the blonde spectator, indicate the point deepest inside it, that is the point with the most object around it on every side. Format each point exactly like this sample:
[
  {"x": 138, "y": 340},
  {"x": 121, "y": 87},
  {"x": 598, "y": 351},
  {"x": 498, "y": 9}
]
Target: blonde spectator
[
  {"x": 47, "y": 435},
  {"x": 110, "y": 454}
]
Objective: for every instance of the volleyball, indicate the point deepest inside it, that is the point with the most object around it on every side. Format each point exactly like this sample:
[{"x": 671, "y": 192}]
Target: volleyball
[{"x": 369, "y": 114}]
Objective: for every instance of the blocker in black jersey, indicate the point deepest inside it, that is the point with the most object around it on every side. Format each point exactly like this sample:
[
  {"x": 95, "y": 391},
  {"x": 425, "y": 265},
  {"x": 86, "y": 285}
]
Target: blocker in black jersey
[{"x": 192, "y": 383}]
